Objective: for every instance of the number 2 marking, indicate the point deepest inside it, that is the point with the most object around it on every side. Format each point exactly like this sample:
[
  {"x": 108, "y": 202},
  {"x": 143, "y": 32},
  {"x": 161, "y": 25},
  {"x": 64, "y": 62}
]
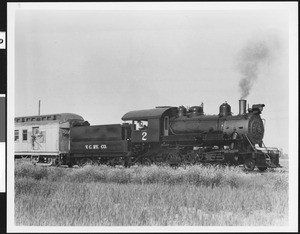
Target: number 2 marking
[{"x": 144, "y": 135}]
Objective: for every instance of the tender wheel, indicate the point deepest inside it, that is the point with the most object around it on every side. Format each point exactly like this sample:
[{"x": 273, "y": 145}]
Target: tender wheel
[
  {"x": 262, "y": 168},
  {"x": 81, "y": 162},
  {"x": 249, "y": 164},
  {"x": 127, "y": 162},
  {"x": 113, "y": 162},
  {"x": 34, "y": 159}
]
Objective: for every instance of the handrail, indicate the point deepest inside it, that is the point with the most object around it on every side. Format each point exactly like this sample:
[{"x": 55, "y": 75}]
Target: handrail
[
  {"x": 266, "y": 150},
  {"x": 250, "y": 143}
]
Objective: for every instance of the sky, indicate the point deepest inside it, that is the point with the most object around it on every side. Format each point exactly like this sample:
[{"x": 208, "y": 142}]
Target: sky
[{"x": 101, "y": 64}]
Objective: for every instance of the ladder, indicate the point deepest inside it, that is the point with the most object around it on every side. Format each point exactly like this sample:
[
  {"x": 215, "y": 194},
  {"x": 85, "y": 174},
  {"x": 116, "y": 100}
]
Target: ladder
[{"x": 268, "y": 158}]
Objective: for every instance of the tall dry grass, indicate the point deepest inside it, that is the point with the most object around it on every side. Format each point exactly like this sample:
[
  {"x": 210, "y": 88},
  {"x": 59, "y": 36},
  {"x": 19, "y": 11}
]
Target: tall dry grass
[{"x": 194, "y": 195}]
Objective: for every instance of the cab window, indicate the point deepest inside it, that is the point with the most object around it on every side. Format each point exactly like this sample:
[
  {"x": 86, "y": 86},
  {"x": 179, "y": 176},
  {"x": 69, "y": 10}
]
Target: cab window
[{"x": 141, "y": 125}]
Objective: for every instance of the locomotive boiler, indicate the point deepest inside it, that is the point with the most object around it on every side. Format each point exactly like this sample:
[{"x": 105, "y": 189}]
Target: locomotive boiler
[{"x": 248, "y": 125}]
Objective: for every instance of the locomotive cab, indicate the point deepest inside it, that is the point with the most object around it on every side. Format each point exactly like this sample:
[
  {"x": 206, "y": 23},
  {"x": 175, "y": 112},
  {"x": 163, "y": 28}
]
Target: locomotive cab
[
  {"x": 149, "y": 125},
  {"x": 139, "y": 130}
]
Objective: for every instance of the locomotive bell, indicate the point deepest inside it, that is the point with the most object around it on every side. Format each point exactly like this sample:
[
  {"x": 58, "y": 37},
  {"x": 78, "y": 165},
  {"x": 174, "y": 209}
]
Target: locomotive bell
[{"x": 225, "y": 109}]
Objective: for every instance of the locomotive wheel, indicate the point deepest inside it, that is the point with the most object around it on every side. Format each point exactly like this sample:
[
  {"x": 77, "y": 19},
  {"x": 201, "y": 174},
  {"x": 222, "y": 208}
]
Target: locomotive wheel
[
  {"x": 190, "y": 159},
  {"x": 146, "y": 161},
  {"x": 199, "y": 156},
  {"x": 173, "y": 159},
  {"x": 159, "y": 158},
  {"x": 262, "y": 168},
  {"x": 249, "y": 164}
]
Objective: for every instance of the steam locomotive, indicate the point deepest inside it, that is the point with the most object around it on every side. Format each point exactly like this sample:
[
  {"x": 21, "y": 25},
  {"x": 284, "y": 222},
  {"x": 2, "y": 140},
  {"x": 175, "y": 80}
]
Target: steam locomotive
[{"x": 174, "y": 136}]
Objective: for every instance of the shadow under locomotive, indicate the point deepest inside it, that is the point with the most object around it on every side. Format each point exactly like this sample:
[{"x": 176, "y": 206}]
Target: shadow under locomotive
[{"x": 174, "y": 136}]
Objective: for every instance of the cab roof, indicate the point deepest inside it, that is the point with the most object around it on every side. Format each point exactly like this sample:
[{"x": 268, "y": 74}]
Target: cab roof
[{"x": 155, "y": 113}]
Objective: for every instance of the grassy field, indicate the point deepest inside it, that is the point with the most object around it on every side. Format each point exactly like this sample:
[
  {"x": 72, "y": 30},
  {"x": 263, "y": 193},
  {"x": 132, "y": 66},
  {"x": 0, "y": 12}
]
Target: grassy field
[{"x": 194, "y": 195}]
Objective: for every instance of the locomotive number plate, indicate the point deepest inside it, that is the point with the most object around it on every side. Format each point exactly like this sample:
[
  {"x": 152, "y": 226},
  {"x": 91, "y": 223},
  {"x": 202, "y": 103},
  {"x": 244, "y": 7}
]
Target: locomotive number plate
[{"x": 144, "y": 136}]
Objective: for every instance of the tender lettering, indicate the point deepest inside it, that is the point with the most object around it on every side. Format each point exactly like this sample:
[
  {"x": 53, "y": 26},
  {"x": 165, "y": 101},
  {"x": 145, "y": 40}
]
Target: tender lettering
[
  {"x": 95, "y": 146},
  {"x": 89, "y": 147},
  {"x": 92, "y": 146}
]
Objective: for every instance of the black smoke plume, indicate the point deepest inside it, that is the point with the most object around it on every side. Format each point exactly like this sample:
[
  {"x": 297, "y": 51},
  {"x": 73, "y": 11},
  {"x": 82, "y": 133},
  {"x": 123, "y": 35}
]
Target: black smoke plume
[{"x": 250, "y": 60}]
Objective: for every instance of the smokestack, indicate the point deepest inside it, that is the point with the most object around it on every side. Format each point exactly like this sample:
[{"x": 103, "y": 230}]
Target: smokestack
[
  {"x": 242, "y": 107},
  {"x": 39, "y": 107}
]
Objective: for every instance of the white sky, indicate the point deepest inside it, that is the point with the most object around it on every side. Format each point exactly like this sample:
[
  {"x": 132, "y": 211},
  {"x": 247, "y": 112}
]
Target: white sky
[{"x": 101, "y": 64}]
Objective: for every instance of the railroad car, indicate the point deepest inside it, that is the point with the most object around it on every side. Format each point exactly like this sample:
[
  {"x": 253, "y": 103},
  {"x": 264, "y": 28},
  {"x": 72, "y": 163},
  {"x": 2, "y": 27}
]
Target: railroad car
[{"x": 44, "y": 137}]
